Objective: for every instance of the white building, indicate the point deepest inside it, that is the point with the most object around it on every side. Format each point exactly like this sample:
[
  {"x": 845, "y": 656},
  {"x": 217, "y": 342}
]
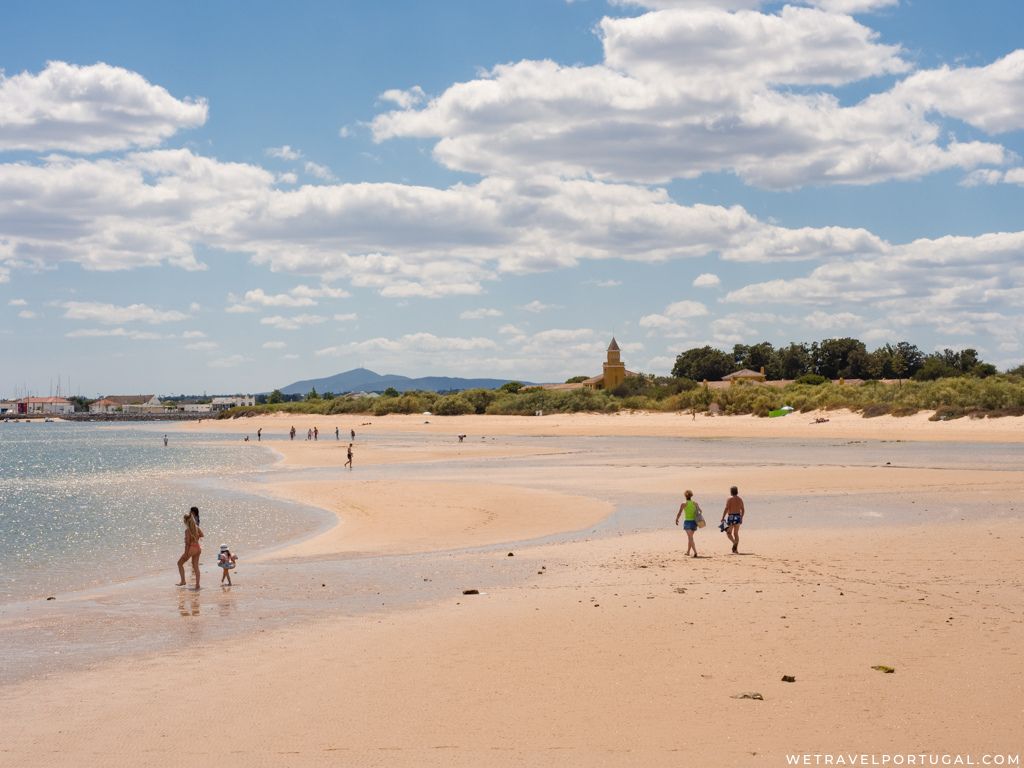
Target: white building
[
  {"x": 127, "y": 404},
  {"x": 234, "y": 401},
  {"x": 57, "y": 406}
]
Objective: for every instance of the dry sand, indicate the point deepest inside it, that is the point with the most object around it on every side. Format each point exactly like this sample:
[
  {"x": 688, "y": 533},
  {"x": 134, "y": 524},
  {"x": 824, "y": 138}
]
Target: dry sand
[{"x": 615, "y": 650}]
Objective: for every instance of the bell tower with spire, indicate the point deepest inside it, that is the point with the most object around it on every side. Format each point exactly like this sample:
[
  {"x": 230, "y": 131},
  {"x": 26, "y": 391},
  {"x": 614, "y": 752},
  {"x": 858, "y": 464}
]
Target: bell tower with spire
[{"x": 614, "y": 368}]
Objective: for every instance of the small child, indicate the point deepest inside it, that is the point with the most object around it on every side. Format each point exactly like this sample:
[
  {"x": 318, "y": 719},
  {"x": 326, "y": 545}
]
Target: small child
[{"x": 226, "y": 561}]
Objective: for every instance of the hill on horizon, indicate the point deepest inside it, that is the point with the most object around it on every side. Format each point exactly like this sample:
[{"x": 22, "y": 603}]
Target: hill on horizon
[{"x": 365, "y": 380}]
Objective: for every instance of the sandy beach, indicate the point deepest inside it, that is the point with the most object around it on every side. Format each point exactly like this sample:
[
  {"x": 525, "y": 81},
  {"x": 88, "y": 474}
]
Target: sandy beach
[{"x": 869, "y": 542}]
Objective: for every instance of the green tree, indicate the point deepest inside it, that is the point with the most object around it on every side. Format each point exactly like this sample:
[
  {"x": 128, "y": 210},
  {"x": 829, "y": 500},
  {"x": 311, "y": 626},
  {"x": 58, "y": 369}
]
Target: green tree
[
  {"x": 794, "y": 361},
  {"x": 703, "y": 363},
  {"x": 511, "y": 386},
  {"x": 275, "y": 397},
  {"x": 832, "y": 357},
  {"x": 391, "y": 392},
  {"x": 312, "y": 395},
  {"x": 576, "y": 379}
]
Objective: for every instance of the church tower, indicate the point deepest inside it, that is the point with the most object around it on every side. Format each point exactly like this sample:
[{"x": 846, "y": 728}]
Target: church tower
[{"x": 614, "y": 369}]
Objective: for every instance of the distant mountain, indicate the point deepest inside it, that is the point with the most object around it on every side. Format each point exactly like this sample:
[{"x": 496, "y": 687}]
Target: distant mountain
[{"x": 363, "y": 380}]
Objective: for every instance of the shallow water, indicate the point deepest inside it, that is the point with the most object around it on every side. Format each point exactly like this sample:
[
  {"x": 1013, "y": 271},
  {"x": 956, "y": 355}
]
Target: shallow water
[{"x": 87, "y": 504}]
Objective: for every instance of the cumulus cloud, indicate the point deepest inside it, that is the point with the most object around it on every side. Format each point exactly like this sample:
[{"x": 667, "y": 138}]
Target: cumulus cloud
[
  {"x": 673, "y": 321},
  {"x": 404, "y": 99},
  {"x": 274, "y": 345},
  {"x": 17, "y": 303},
  {"x": 111, "y": 314},
  {"x": 83, "y": 333},
  {"x": 956, "y": 285},
  {"x": 88, "y": 109},
  {"x": 706, "y": 280},
  {"x": 346, "y": 317},
  {"x": 231, "y": 361},
  {"x": 536, "y": 306},
  {"x": 284, "y": 152},
  {"x": 411, "y": 344},
  {"x": 293, "y": 322},
  {"x": 318, "y": 171},
  {"x": 480, "y": 314},
  {"x": 692, "y": 89},
  {"x": 27, "y": 314}
]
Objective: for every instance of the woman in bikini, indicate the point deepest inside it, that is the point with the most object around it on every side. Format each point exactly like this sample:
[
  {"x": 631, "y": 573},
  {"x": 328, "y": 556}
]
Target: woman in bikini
[{"x": 193, "y": 548}]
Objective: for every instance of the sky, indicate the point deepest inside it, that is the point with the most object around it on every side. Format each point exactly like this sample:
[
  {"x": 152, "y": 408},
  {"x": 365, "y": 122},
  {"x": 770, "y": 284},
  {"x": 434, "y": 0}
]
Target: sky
[{"x": 228, "y": 197}]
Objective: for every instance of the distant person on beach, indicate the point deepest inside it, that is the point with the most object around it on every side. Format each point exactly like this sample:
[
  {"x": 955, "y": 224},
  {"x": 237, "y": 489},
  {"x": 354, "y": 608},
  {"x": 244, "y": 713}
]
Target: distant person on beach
[
  {"x": 291, "y": 434},
  {"x": 689, "y": 510},
  {"x": 349, "y": 462},
  {"x": 732, "y": 516},
  {"x": 259, "y": 435},
  {"x": 316, "y": 433},
  {"x": 226, "y": 561},
  {"x": 336, "y": 434},
  {"x": 353, "y": 433},
  {"x": 193, "y": 548},
  {"x": 165, "y": 441}
]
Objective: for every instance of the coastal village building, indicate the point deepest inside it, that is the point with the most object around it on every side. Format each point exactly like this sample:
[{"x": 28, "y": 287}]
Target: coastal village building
[
  {"x": 8, "y": 407},
  {"x": 234, "y": 401},
  {"x": 56, "y": 406},
  {"x": 613, "y": 375},
  {"x": 127, "y": 404},
  {"x": 745, "y": 374}
]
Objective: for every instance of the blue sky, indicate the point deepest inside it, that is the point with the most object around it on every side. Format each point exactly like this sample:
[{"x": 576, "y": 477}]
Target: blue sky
[{"x": 231, "y": 196}]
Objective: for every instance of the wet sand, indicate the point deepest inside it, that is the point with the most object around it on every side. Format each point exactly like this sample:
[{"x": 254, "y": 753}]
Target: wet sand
[{"x": 598, "y": 642}]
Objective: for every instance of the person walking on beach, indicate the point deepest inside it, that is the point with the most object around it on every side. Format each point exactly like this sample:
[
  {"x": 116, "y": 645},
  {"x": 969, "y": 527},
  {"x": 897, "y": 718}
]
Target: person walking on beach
[
  {"x": 349, "y": 462},
  {"x": 291, "y": 434},
  {"x": 316, "y": 433},
  {"x": 732, "y": 516},
  {"x": 336, "y": 434},
  {"x": 193, "y": 548},
  {"x": 165, "y": 441},
  {"x": 689, "y": 510},
  {"x": 353, "y": 433},
  {"x": 259, "y": 435}
]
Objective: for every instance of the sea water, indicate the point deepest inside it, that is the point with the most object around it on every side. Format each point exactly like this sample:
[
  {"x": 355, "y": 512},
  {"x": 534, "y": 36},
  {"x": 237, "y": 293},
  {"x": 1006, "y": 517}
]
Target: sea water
[{"x": 89, "y": 504}]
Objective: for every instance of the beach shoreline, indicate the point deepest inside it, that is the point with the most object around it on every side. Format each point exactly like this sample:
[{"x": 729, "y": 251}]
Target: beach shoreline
[{"x": 590, "y": 641}]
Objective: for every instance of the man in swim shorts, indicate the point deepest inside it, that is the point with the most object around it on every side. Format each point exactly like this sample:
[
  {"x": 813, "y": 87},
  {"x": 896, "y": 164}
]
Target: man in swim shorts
[{"x": 732, "y": 515}]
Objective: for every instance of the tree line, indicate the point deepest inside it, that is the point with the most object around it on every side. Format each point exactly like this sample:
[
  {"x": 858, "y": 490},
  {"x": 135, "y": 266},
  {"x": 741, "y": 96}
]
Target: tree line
[{"x": 846, "y": 358}]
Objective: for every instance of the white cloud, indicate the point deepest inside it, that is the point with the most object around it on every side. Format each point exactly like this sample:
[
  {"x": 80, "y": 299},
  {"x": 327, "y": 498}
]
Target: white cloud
[
  {"x": 193, "y": 335},
  {"x": 674, "y": 319},
  {"x": 536, "y": 306},
  {"x": 89, "y": 109},
  {"x": 691, "y": 90},
  {"x": 284, "y": 152},
  {"x": 17, "y": 303},
  {"x": 287, "y": 178},
  {"x": 83, "y": 333},
  {"x": 410, "y": 344},
  {"x": 259, "y": 297},
  {"x": 404, "y": 99},
  {"x": 833, "y": 321},
  {"x": 26, "y": 314},
  {"x": 290, "y": 357},
  {"x": 608, "y": 283},
  {"x": 231, "y": 361},
  {"x": 292, "y": 323},
  {"x": 345, "y": 132},
  {"x": 318, "y": 171},
  {"x": 110, "y": 314},
  {"x": 239, "y": 309},
  {"x": 706, "y": 280},
  {"x": 346, "y": 317},
  {"x": 194, "y": 307},
  {"x": 274, "y": 345},
  {"x": 480, "y": 314},
  {"x": 202, "y": 346}
]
